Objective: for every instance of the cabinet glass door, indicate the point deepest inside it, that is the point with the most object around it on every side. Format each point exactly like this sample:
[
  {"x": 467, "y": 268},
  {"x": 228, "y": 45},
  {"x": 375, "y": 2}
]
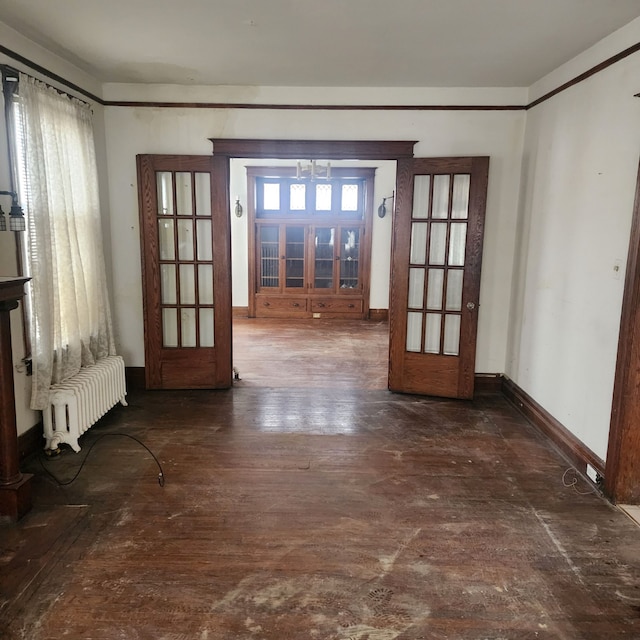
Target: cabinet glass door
[
  {"x": 350, "y": 258},
  {"x": 294, "y": 257},
  {"x": 324, "y": 257},
  {"x": 269, "y": 248}
]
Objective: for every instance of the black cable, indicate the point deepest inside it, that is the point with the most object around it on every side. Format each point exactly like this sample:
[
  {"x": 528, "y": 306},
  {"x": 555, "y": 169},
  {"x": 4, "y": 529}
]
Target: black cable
[{"x": 93, "y": 444}]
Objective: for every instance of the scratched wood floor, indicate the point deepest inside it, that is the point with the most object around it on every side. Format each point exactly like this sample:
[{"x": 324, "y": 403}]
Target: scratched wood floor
[{"x": 332, "y": 511}]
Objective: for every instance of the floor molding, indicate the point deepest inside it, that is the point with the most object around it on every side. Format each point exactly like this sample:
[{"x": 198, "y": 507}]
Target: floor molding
[
  {"x": 577, "y": 452},
  {"x": 240, "y": 312},
  {"x": 488, "y": 383},
  {"x": 135, "y": 377},
  {"x": 30, "y": 441},
  {"x": 379, "y": 315}
]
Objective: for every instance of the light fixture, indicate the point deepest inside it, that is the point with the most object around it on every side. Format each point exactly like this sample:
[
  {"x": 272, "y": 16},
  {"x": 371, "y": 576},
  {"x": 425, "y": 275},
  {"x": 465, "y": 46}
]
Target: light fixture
[
  {"x": 313, "y": 170},
  {"x": 16, "y": 217},
  {"x": 382, "y": 209},
  {"x": 238, "y": 208}
]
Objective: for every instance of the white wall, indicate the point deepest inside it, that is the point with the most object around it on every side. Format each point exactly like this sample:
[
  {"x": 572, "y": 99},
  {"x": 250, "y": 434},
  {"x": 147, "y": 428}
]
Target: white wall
[
  {"x": 499, "y": 134},
  {"x": 579, "y": 174}
]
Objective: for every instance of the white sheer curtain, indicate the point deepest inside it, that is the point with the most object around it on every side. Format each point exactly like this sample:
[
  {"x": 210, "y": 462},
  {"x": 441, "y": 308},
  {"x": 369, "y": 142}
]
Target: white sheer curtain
[{"x": 70, "y": 315}]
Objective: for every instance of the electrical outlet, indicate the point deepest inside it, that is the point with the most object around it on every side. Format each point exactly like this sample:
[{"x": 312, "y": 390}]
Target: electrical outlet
[{"x": 592, "y": 474}]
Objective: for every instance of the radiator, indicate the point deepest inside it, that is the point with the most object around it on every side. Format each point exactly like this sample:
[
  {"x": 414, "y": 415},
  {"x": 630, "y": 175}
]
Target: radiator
[{"x": 79, "y": 402}]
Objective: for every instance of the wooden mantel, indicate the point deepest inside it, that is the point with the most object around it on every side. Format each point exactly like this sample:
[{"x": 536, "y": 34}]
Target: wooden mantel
[{"x": 15, "y": 487}]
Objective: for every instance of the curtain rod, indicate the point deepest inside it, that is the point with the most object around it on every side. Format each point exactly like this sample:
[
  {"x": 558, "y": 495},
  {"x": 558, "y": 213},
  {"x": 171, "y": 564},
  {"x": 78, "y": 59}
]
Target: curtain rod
[{"x": 48, "y": 74}]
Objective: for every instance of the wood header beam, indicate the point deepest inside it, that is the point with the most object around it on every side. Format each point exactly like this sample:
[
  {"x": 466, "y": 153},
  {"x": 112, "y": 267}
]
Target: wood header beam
[{"x": 314, "y": 149}]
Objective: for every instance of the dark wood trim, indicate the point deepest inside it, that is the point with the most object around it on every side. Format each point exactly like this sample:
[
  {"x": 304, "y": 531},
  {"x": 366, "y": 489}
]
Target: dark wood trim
[
  {"x": 31, "y": 441},
  {"x": 622, "y": 478},
  {"x": 587, "y": 74},
  {"x": 49, "y": 74},
  {"x": 379, "y": 315},
  {"x": 135, "y": 377},
  {"x": 315, "y": 107},
  {"x": 488, "y": 383},
  {"x": 577, "y": 452},
  {"x": 313, "y": 149}
]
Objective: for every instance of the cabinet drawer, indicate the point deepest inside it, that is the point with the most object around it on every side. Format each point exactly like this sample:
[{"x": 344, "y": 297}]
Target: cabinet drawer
[
  {"x": 273, "y": 303},
  {"x": 336, "y": 305}
]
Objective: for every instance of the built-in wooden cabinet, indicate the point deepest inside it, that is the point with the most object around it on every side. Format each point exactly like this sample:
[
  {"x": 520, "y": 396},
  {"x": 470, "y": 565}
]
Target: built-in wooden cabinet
[{"x": 306, "y": 260}]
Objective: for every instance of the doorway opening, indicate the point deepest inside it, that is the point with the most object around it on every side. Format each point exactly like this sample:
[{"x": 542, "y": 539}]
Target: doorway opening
[
  {"x": 293, "y": 325},
  {"x": 434, "y": 283}
]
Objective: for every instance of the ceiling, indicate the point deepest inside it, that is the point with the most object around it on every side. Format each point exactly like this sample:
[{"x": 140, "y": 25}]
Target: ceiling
[{"x": 373, "y": 43}]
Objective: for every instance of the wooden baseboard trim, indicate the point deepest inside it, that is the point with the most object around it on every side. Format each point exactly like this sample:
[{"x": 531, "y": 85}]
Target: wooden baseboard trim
[
  {"x": 488, "y": 383},
  {"x": 30, "y": 441},
  {"x": 135, "y": 378},
  {"x": 579, "y": 454},
  {"x": 379, "y": 315},
  {"x": 240, "y": 312}
]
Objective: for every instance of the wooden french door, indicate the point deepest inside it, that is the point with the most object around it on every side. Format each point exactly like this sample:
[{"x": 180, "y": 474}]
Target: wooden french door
[
  {"x": 435, "y": 280},
  {"x": 186, "y": 270}
]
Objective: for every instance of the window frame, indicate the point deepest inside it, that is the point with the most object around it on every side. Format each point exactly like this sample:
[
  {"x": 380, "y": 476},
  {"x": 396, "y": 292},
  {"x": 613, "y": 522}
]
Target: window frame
[{"x": 286, "y": 176}]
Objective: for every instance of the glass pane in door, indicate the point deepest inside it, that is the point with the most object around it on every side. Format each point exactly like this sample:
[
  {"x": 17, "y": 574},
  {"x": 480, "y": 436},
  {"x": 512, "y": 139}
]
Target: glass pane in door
[
  {"x": 460, "y": 204},
  {"x": 294, "y": 257},
  {"x": 203, "y": 194},
  {"x": 324, "y": 244},
  {"x": 349, "y": 258},
  {"x": 440, "y": 206},
  {"x": 206, "y": 327},
  {"x": 451, "y": 335},
  {"x": 188, "y": 327},
  {"x": 421, "y": 188},
  {"x": 164, "y": 192},
  {"x": 269, "y": 256},
  {"x": 184, "y": 193},
  {"x": 414, "y": 332},
  {"x": 416, "y": 288}
]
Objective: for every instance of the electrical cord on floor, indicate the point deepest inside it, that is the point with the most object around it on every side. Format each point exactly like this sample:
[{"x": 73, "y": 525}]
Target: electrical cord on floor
[
  {"x": 93, "y": 444},
  {"x": 574, "y": 482}
]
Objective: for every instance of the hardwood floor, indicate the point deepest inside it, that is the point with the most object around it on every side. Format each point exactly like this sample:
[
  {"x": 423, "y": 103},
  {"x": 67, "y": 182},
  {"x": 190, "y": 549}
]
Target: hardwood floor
[
  {"x": 345, "y": 354},
  {"x": 329, "y": 512}
]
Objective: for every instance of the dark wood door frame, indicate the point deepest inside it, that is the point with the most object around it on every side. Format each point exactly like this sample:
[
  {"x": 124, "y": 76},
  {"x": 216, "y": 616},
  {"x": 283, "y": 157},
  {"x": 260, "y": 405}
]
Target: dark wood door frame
[{"x": 622, "y": 472}]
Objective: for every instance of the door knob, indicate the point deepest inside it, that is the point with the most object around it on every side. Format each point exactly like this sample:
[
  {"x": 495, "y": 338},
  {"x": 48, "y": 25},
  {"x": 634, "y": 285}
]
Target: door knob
[{"x": 471, "y": 306}]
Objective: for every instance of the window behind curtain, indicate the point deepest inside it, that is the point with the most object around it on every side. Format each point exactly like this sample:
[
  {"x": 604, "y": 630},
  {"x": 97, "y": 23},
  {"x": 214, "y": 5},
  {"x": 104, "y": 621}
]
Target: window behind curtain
[{"x": 56, "y": 172}]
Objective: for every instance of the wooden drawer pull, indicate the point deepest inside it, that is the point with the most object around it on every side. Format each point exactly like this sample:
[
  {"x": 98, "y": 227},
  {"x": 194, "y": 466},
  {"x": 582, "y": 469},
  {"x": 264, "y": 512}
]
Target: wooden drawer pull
[
  {"x": 320, "y": 304},
  {"x": 266, "y": 304}
]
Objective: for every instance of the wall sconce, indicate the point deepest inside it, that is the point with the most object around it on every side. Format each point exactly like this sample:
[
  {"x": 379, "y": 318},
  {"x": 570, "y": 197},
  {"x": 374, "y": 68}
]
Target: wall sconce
[
  {"x": 238, "y": 208},
  {"x": 382, "y": 209},
  {"x": 16, "y": 217}
]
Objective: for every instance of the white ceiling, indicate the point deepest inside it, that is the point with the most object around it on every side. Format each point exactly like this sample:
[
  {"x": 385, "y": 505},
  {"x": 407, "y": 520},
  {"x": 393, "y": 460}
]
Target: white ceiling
[{"x": 375, "y": 43}]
